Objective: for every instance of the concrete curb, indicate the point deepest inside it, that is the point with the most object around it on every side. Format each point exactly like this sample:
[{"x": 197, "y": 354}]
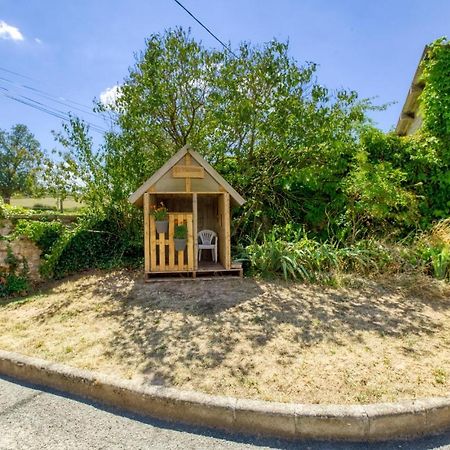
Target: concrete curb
[{"x": 374, "y": 422}]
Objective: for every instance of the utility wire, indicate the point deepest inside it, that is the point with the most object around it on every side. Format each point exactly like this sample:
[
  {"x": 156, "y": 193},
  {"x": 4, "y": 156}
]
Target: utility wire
[
  {"x": 48, "y": 110},
  {"x": 40, "y": 106},
  {"x": 52, "y": 97},
  {"x": 48, "y": 96},
  {"x": 16, "y": 73},
  {"x": 206, "y": 28}
]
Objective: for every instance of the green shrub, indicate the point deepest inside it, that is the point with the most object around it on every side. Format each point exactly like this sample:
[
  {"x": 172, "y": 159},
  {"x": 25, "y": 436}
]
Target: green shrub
[
  {"x": 14, "y": 281},
  {"x": 11, "y": 284},
  {"x": 441, "y": 264},
  {"x": 6, "y": 211},
  {"x": 180, "y": 232},
  {"x": 105, "y": 242},
  {"x": 43, "y": 234},
  {"x": 42, "y": 207},
  {"x": 433, "y": 248},
  {"x": 291, "y": 254}
]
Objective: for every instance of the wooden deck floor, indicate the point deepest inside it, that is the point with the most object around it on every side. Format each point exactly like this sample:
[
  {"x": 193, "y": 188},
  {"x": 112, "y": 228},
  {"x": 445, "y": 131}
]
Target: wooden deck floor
[{"x": 207, "y": 270}]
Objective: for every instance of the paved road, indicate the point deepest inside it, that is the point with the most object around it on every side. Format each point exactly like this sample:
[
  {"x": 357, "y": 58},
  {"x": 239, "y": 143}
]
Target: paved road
[{"x": 32, "y": 418}]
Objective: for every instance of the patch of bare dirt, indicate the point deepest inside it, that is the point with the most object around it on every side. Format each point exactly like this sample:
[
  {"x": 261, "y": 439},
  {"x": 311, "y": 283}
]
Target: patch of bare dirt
[{"x": 378, "y": 341}]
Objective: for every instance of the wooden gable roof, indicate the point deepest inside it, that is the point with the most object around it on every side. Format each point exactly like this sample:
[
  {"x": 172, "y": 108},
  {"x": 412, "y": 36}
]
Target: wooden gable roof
[{"x": 137, "y": 196}]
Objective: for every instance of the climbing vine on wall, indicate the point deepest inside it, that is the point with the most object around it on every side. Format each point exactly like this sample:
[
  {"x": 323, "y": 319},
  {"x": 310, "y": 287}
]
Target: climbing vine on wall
[{"x": 435, "y": 98}]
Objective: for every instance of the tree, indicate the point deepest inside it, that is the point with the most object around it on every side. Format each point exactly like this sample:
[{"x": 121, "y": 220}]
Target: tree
[
  {"x": 20, "y": 159},
  {"x": 262, "y": 119},
  {"x": 377, "y": 197},
  {"x": 57, "y": 182}
]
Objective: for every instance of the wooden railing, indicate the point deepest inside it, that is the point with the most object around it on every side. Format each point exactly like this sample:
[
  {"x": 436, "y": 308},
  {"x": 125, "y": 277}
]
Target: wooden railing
[{"x": 163, "y": 256}]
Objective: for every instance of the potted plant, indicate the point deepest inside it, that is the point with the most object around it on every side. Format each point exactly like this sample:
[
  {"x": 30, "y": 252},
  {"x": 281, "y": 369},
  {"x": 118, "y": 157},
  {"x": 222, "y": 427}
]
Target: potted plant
[
  {"x": 160, "y": 215},
  {"x": 179, "y": 237}
]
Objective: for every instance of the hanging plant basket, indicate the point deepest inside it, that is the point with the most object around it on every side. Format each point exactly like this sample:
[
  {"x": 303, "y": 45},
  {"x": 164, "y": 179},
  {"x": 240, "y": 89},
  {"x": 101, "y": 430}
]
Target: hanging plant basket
[
  {"x": 162, "y": 226},
  {"x": 180, "y": 236},
  {"x": 180, "y": 244}
]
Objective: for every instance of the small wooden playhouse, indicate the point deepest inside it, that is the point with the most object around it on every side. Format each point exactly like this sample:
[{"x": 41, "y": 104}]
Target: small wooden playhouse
[{"x": 197, "y": 196}]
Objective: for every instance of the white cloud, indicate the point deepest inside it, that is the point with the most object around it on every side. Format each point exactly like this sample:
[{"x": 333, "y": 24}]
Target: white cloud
[
  {"x": 10, "y": 32},
  {"x": 109, "y": 96},
  {"x": 38, "y": 41}
]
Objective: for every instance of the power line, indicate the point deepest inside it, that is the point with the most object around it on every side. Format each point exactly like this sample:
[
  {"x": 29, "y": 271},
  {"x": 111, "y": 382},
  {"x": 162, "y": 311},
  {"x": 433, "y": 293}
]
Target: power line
[
  {"x": 47, "y": 96},
  {"x": 206, "y": 28},
  {"x": 49, "y": 110},
  {"x": 40, "y": 106},
  {"x": 53, "y": 97},
  {"x": 16, "y": 73}
]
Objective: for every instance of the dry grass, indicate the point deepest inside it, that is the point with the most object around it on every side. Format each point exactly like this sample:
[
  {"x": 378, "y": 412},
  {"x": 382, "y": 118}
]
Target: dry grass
[{"x": 378, "y": 341}]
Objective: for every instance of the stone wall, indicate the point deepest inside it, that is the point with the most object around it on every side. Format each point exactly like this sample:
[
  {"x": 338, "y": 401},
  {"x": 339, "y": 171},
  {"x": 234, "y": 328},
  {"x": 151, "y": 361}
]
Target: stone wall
[
  {"x": 22, "y": 248},
  {"x": 6, "y": 227}
]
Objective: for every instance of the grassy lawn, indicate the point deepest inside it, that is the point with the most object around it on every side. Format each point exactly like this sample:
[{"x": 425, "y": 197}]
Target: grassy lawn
[
  {"x": 27, "y": 202},
  {"x": 379, "y": 341}
]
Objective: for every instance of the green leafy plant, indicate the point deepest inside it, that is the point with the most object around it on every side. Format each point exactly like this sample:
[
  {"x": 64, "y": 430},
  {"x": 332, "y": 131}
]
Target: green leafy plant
[
  {"x": 20, "y": 160},
  {"x": 180, "y": 232},
  {"x": 13, "y": 280},
  {"x": 43, "y": 233},
  {"x": 441, "y": 264},
  {"x": 435, "y": 97},
  {"x": 297, "y": 256},
  {"x": 159, "y": 212},
  {"x": 96, "y": 242}
]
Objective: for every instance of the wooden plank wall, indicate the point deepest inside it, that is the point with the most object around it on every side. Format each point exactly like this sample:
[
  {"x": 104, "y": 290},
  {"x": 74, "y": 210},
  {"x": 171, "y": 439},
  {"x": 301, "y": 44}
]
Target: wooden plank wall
[
  {"x": 163, "y": 256},
  {"x": 147, "y": 232},
  {"x": 207, "y": 214},
  {"x": 152, "y": 200},
  {"x": 227, "y": 230},
  {"x": 224, "y": 230},
  {"x": 195, "y": 228}
]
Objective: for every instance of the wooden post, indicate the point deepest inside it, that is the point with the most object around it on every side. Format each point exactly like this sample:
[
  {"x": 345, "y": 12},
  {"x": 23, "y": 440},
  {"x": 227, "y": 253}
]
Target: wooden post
[
  {"x": 187, "y": 162},
  {"x": 147, "y": 232},
  {"x": 162, "y": 252},
  {"x": 171, "y": 243},
  {"x": 152, "y": 201},
  {"x": 190, "y": 243},
  {"x": 194, "y": 229},
  {"x": 181, "y": 252},
  {"x": 227, "y": 230}
]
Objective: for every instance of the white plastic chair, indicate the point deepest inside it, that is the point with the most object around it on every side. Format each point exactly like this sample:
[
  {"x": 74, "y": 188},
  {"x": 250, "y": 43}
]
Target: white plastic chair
[{"x": 208, "y": 241}]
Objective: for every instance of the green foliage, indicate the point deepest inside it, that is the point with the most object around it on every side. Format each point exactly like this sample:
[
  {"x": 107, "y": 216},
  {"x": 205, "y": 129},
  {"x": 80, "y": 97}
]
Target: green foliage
[
  {"x": 308, "y": 259},
  {"x": 180, "y": 232},
  {"x": 376, "y": 196},
  {"x": 108, "y": 241},
  {"x": 294, "y": 255},
  {"x": 441, "y": 263},
  {"x": 11, "y": 284},
  {"x": 43, "y": 233},
  {"x": 435, "y": 98},
  {"x": 417, "y": 166},
  {"x": 277, "y": 135},
  {"x": 11, "y": 212},
  {"x": 434, "y": 248},
  {"x": 159, "y": 212},
  {"x": 20, "y": 157},
  {"x": 13, "y": 280},
  {"x": 298, "y": 152}
]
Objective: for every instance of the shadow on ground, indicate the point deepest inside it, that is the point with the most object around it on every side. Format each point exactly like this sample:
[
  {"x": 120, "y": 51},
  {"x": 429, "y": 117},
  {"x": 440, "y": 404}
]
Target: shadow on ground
[{"x": 199, "y": 324}]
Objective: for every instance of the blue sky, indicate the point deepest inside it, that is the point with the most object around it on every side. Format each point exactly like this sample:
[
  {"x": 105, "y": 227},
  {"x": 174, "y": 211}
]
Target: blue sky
[{"x": 77, "y": 49}]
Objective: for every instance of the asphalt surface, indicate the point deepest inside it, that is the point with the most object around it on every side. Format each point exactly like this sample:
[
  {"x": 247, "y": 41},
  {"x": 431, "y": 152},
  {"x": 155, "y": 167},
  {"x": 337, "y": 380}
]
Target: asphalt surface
[{"x": 35, "y": 418}]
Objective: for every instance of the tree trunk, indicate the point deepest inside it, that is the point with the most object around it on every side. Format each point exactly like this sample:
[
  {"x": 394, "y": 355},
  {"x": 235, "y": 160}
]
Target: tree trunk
[
  {"x": 61, "y": 205},
  {"x": 6, "y": 200}
]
